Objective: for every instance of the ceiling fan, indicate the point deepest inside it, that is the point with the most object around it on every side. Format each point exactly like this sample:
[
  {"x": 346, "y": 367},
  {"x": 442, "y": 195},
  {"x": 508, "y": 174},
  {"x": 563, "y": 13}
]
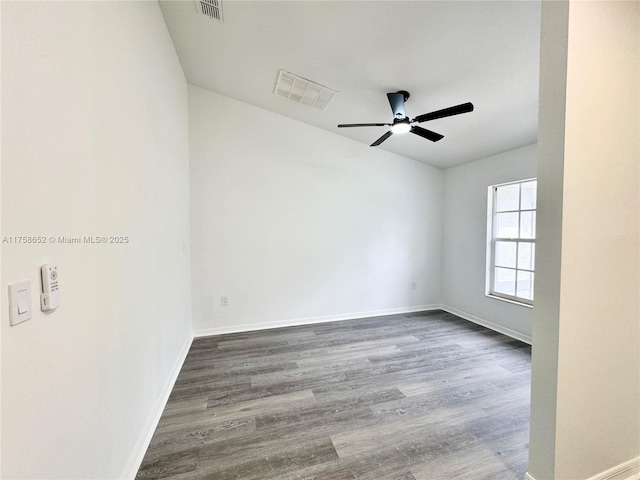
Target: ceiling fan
[{"x": 402, "y": 124}]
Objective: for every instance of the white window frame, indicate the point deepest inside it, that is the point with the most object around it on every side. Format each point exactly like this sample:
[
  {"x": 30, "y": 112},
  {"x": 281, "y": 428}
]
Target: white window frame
[{"x": 491, "y": 244}]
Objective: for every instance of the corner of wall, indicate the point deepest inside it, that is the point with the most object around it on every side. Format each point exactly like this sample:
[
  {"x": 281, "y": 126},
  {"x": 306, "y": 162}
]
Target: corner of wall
[{"x": 137, "y": 454}]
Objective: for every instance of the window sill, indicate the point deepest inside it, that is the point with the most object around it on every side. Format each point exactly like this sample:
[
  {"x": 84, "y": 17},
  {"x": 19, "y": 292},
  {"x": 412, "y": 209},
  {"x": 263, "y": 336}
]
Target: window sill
[{"x": 514, "y": 302}]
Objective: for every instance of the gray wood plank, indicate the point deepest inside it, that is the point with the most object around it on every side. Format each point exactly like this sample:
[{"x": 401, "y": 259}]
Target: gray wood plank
[{"x": 419, "y": 396}]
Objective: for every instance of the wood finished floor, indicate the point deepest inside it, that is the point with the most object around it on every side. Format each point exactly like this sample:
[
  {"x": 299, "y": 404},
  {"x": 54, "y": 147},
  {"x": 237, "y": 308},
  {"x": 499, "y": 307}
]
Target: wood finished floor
[{"x": 403, "y": 397}]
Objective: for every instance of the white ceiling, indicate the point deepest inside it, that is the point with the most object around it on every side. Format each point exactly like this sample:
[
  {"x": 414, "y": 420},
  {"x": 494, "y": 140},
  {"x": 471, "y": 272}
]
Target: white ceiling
[{"x": 443, "y": 53}]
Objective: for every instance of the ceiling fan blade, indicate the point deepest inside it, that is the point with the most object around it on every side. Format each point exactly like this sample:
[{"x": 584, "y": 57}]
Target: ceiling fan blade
[
  {"x": 343, "y": 125},
  {"x": 396, "y": 100},
  {"x": 445, "y": 112},
  {"x": 381, "y": 139},
  {"x": 428, "y": 134}
]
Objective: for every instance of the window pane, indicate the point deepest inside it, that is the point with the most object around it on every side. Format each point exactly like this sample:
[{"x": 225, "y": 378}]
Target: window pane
[
  {"x": 526, "y": 254},
  {"x": 507, "y": 197},
  {"x": 528, "y": 201},
  {"x": 525, "y": 285},
  {"x": 504, "y": 281},
  {"x": 506, "y": 254},
  {"x": 513, "y": 228},
  {"x": 528, "y": 225},
  {"x": 507, "y": 225}
]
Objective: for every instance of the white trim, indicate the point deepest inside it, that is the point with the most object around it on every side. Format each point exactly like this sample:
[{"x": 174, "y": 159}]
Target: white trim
[
  {"x": 490, "y": 325},
  {"x": 625, "y": 471},
  {"x": 246, "y": 327},
  {"x": 137, "y": 455},
  {"x": 515, "y": 182},
  {"x": 504, "y": 299}
]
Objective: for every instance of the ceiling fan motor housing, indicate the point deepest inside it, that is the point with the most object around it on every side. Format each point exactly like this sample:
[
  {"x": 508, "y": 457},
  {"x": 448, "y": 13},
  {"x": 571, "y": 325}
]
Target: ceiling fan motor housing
[{"x": 403, "y": 124}]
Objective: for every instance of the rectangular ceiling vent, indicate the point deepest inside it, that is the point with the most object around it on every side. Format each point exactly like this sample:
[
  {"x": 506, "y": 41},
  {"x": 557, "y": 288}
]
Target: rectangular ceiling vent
[
  {"x": 210, "y": 8},
  {"x": 303, "y": 91}
]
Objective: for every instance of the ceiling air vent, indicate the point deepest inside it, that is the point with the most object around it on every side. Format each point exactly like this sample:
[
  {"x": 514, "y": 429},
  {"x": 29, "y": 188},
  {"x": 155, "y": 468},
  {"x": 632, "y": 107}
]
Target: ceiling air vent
[
  {"x": 210, "y": 8},
  {"x": 303, "y": 91}
]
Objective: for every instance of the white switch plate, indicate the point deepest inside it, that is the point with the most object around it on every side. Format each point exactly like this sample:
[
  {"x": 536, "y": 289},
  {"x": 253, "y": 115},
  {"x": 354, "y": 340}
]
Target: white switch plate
[
  {"x": 224, "y": 301},
  {"x": 19, "y": 302}
]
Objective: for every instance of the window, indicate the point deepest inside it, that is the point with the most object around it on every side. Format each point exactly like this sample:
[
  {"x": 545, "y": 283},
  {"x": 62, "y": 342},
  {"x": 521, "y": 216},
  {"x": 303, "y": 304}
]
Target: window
[{"x": 511, "y": 234}]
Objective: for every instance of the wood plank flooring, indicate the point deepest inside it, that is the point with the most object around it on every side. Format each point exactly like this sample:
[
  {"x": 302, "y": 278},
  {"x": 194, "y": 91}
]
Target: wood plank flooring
[{"x": 403, "y": 397}]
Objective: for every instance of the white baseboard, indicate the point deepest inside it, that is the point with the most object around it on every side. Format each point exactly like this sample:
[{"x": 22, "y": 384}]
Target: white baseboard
[
  {"x": 137, "y": 455},
  {"x": 246, "y": 327},
  {"x": 488, "y": 324},
  {"x": 625, "y": 471}
]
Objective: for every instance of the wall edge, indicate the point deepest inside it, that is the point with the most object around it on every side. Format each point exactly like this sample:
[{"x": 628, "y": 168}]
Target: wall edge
[
  {"x": 246, "y": 327},
  {"x": 140, "y": 449},
  {"x": 488, "y": 324}
]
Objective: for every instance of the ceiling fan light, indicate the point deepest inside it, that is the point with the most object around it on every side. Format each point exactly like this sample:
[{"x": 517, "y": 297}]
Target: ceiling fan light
[{"x": 400, "y": 127}]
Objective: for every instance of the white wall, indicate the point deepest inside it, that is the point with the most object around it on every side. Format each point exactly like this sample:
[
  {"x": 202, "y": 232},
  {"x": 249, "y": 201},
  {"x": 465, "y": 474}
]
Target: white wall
[
  {"x": 588, "y": 421},
  {"x": 551, "y": 125},
  {"x": 599, "y": 328},
  {"x": 464, "y": 239},
  {"x": 94, "y": 142},
  {"x": 297, "y": 224}
]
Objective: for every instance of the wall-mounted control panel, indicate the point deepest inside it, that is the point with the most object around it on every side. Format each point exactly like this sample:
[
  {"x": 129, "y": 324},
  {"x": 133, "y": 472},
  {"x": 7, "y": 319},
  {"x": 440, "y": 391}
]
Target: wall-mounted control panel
[
  {"x": 50, "y": 296},
  {"x": 19, "y": 302}
]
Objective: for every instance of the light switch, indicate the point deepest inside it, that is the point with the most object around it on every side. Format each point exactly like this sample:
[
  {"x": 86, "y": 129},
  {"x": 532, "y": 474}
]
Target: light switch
[
  {"x": 19, "y": 302},
  {"x": 23, "y": 303}
]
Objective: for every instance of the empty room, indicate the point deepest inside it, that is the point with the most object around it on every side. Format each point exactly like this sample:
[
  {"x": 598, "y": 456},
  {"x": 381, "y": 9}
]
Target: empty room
[{"x": 383, "y": 240}]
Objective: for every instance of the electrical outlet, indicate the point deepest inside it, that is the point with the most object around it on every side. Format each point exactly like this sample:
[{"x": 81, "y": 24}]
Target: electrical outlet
[
  {"x": 224, "y": 301},
  {"x": 413, "y": 285}
]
